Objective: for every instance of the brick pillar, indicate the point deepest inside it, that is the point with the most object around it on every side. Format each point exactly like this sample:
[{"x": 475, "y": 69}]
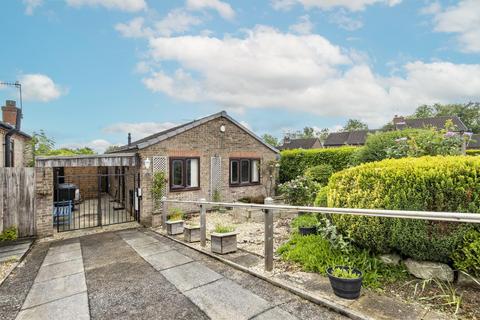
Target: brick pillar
[
  {"x": 147, "y": 201},
  {"x": 44, "y": 201}
]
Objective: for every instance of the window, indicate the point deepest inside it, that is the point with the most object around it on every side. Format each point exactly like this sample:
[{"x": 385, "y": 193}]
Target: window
[
  {"x": 184, "y": 173},
  {"x": 244, "y": 172},
  {"x": 12, "y": 153}
]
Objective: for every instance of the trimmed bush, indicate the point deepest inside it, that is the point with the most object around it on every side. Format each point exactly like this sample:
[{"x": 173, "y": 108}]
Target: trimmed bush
[
  {"x": 320, "y": 173},
  {"x": 424, "y": 184},
  {"x": 322, "y": 197},
  {"x": 300, "y": 191},
  {"x": 467, "y": 257},
  {"x": 473, "y": 152},
  {"x": 294, "y": 163}
]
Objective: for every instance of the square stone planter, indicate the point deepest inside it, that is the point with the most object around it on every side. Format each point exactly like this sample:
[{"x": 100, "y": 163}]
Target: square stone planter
[
  {"x": 191, "y": 234},
  {"x": 224, "y": 242},
  {"x": 175, "y": 227}
]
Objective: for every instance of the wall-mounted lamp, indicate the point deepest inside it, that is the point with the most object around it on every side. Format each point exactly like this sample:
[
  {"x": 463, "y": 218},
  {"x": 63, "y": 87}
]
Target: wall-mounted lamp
[
  {"x": 147, "y": 163},
  {"x": 222, "y": 128}
]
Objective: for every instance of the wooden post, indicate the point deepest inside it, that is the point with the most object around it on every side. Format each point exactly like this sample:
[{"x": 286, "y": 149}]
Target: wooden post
[
  {"x": 164, "y": 213},
  {"x": 268, "y": 236},
  {"x": 203, "y": 223}
]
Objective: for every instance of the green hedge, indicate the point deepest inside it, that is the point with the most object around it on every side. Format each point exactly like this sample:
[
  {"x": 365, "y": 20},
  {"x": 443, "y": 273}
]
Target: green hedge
[
  {"x": 439, "y": 183},
  {"x": 294, "y": 163},
  {"x": 473, "y": 152}
]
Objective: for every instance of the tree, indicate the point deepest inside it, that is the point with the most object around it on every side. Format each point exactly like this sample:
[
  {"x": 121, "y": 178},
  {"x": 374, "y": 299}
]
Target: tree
[
  {"x": 308, "y": 132},
  {"x": 271, "y": 140},
  {"x": 354, "y": 125},
  {"x": 469, "y": 113},
  {"x": 112, "y": 148}
]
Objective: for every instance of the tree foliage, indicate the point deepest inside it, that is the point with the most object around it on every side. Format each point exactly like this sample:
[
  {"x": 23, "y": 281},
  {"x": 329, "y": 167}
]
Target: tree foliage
[
  {"x": 270, "y": 139},
  {"x": 354, "y": 125}
]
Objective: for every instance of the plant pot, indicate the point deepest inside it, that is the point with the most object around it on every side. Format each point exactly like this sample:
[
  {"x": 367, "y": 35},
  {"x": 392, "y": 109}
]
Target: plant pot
[
  {"x": 191, "y": 234},
  {"x": 305, "y": 231},
  {"x": 224, "y": 242},
  {"x": 346, "y": 288},
  {"x": 175, "y": 227}
]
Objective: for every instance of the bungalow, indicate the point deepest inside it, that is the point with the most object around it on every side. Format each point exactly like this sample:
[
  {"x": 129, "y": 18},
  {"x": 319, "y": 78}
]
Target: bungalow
[
  {"x": 214, "y": 157},
  {"x": 14, "y": 151},
  {"x": 358, "y": 138}
]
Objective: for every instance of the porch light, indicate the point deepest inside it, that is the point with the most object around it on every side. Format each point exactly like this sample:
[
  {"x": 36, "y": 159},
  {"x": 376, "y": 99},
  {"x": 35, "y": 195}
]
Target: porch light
[
  {"x": 222, "y": 128},
  {"x": 147, "y": 163}
]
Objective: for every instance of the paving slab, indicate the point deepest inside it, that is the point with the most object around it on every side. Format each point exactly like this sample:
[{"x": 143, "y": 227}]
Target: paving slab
[
  {"x": 14, "y": 251},
  {"x": 70, "y": 246},
  {"x": 153, "y": 248},
  {"x": 141, "y": 241},
  {"x": 47, "y": 291},
  {"x": 190, "y": 275},
  {"x": 168, "y": 259},
  {"x": 15, "y": 247},
  {"x": 62, "y": 256},
  {"x": 59, "y": 270},
  {"x": 275, "y": 314},
  {"x": 72, "y": 307},
  {"x": 224, "y": 299}
]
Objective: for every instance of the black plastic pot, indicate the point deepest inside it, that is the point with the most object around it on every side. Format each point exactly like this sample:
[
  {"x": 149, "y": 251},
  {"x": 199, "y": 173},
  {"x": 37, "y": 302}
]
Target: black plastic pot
[
  {"x": 346, "y": 288},
  {"x": 305, "y": 231}
]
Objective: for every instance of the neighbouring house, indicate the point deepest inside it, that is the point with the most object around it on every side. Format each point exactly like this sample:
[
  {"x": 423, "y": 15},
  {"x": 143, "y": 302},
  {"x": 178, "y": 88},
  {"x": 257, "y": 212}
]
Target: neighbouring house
[
  {"x": 474, "y": 142},
  {"x": 215, "y": 158},
  {"x": 14, "y": 151},
  {"x": 303, "y": 143},
  {"x": 358, "y": 138}
]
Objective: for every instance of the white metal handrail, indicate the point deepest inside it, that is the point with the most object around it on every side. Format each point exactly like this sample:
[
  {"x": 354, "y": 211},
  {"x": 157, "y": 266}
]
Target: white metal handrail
[{"x": 405, "y": 214}]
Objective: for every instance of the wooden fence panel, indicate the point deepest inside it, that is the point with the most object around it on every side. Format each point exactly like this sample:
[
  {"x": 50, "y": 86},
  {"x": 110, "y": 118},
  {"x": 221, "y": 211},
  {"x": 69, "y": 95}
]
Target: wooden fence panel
[{"x": 17, "y": 200}]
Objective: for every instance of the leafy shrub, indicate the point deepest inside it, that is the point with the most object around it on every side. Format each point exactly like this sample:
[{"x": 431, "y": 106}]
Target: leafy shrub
[
  {"x": 315, "y": 254},
  {"x": 219, "y": 228},
  {"x": 294, "y": 163},
  {"x": 409, "y": 143},
  {"x": 300, "y": 191},
  {"x": 320, "y": 173},
  {"x": 467, "y": 257},
  {"x": 175, "y": 214},
  {"x": 473, "y": 152},
  {"x": 321, "y": 199},
  {"x": 422, "y": 184},
  {"x": 158, "y": 187},
  {"x": 306, "y": 220},
  {"x": 9, "y": 234},
  {"x": 344, "y": 273}
]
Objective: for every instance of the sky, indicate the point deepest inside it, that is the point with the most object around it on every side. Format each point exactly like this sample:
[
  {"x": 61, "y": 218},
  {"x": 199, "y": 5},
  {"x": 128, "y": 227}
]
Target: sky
[{"x": 94, "y": 70}]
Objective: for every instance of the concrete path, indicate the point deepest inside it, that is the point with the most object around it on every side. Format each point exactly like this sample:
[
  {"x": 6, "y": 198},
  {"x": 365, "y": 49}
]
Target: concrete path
[
  {"x": 138, "y": 274},
  {"x": 218, "y": 296},
  {"x": 14, "y": 251},
  {"x": 59, "y": 290}
]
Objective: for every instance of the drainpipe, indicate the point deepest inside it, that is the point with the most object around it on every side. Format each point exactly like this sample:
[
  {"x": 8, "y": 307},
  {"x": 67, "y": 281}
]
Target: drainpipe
[{"x": 7, "y": 147}]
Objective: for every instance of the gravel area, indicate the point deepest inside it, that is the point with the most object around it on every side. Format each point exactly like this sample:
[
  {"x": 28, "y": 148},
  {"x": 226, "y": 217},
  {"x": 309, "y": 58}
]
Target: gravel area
[{"x": 5, "y": 268}]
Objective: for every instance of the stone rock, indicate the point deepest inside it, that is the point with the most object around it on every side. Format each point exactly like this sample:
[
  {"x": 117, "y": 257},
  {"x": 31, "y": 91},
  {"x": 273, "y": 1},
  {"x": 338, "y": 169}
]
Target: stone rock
[
  {"x": 390, "y": 258},
  {"x": 466, "y": 280},
  {"x": 429, "y": 270}
]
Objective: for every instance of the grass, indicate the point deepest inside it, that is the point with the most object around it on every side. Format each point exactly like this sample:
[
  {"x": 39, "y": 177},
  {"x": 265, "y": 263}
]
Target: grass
[
  {"x": 316, "y": 254},
  {"x": 447, "y": 294},
  {"x": 219, "y": 228},
  {"x": 175, "y": 214}
]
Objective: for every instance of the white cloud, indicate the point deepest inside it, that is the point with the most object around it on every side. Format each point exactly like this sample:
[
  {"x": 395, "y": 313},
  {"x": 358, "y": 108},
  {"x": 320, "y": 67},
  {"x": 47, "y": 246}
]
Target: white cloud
[
  {"x": 352, "y": 5},
  {"x": 31, "y": 5},
  {"x": 224, "y": 9},
  {"x": 39, "y": 87},
  {"x": 303, "y": 26},
  {"x": 269, "y": 69},
  {"x": 122, "y": 5},
  {"x": 138, "y": 130},
  {"x": 462, "y": 19},
  {"x": 175, "y": 22},
  {"x": 344, "y": 21}
]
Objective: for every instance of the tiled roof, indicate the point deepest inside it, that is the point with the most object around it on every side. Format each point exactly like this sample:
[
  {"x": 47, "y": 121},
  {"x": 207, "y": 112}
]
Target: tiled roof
[
  {"x": 352, "y": 138},
  {"x": 8, "y": 127},
  {"x": 437, "y": 122},
  {"x": 306, "y": 143}
]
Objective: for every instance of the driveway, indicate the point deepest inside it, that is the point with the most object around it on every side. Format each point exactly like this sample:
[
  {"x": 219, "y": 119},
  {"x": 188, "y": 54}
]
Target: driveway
[{"x": 137, "y": 274}]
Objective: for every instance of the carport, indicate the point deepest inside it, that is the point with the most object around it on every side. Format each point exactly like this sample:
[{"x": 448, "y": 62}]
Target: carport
[{"x": 85, "y": 191}]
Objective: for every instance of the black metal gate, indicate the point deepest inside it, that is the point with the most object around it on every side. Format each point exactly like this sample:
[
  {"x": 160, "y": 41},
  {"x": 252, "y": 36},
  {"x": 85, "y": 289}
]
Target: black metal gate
[{"x": 92, "y": 200}]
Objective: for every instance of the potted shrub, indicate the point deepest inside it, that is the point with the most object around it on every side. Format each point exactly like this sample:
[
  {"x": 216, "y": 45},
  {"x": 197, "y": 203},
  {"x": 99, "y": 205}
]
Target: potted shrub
[
  {"x": 191, "y": 233},
  {"x": 175, "y": 222},
  {"x": 224, "y": 239},
  {"x": 306, "y": 224},
  {"x": 346, "y": 281}
]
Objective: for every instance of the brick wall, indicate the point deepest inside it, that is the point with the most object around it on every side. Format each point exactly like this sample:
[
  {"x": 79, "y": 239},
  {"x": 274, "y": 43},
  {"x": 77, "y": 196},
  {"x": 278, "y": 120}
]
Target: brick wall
[
  {"x": 44, "y": 201},
  {"x": 21, "y": 154},
  {"x": 207, "y": 141},
  {"x": 85, "y": 178}
]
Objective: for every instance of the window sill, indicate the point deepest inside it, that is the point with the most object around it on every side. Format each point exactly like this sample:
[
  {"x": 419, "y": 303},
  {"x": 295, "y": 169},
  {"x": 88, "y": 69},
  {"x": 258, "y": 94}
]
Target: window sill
[
  {"x": 244, "y": 185},
  {"x": 184, "y": 189}
]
